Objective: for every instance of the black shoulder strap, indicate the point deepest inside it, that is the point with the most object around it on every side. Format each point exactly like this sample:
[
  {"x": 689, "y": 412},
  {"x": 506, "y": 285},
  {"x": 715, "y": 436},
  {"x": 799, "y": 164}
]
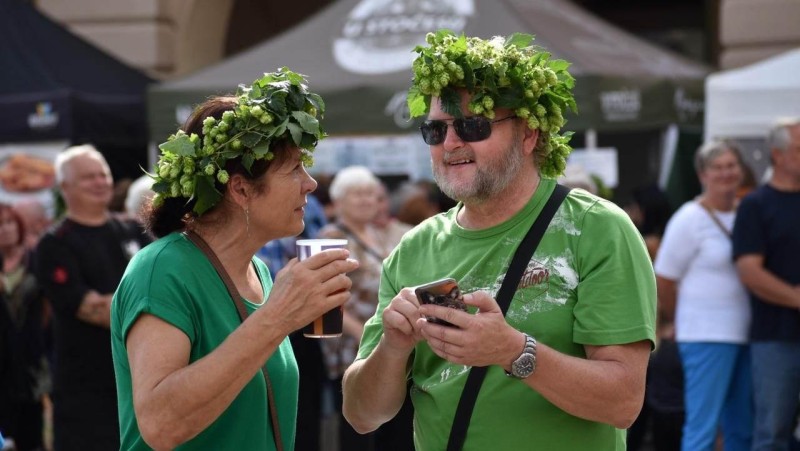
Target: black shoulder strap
[{"x": 519, "y": 262}]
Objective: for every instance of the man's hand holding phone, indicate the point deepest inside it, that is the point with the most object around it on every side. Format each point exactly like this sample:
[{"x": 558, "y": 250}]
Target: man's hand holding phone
[
  {"x": 443, "y": 292},
  {"x": 480, "y": 339},
  {"x": 400, "y": 317}
]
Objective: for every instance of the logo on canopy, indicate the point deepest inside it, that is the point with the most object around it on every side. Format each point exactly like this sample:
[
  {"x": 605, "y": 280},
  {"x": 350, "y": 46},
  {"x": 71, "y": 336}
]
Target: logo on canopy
[
  {"x": 621, "y": 106},
  {"x": 379, "y": 35},
  {"x": 44, "y": 118}
]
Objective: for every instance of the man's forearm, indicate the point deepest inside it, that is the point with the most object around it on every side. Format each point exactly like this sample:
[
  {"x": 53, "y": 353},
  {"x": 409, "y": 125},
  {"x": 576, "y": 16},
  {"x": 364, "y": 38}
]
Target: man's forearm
[
  {"x": 374, "y": 389},
  {"x": 770, "y": 288},
  {"x": 95, "y": 309}
]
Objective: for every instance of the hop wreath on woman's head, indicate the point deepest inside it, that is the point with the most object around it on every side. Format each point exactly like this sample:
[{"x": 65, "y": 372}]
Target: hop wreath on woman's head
[
  {"x": 498, "y": 73},
  {"x": 276, "y": 107}
]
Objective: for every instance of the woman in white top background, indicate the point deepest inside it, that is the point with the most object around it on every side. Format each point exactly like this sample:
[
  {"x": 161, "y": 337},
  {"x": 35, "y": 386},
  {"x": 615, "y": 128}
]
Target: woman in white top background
[{"x": 698, "y": 286}]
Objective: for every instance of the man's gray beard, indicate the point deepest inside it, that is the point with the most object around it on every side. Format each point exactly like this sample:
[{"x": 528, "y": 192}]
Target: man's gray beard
[{"x": 488, "y": 181}]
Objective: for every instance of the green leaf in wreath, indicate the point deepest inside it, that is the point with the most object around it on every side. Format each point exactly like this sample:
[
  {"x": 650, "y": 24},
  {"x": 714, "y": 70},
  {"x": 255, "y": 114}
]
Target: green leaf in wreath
[
  {"x": 296, "y": 131},
  {"x": 181, "y": 145},
  {"x": 309, "y": 123},
  {"x": 206, "y": 194}
]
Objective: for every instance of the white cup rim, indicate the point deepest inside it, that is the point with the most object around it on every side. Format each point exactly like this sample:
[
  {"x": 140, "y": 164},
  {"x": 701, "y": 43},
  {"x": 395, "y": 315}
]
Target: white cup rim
[{"x": 322, "y": 242}]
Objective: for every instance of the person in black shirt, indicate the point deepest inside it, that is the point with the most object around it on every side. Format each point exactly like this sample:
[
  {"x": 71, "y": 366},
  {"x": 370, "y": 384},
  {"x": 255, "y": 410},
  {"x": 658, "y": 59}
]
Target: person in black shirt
[{"x": 80, "y": 261}]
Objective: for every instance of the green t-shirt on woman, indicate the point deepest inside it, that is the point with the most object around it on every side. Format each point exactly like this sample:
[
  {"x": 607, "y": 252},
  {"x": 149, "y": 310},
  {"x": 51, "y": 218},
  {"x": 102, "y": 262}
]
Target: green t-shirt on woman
[
  {"x": 174, "y": 281},
  {"x": 590, "y": 282}
]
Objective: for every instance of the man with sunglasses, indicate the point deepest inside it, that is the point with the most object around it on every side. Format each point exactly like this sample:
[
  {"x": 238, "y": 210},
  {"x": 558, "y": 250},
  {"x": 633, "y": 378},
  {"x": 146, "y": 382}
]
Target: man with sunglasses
[{"x": 566, "y": 364}]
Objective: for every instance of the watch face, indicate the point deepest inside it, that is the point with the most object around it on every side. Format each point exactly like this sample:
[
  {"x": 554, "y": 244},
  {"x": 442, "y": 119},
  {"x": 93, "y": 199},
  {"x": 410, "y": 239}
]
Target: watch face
[{"x": 523, "y": 366}]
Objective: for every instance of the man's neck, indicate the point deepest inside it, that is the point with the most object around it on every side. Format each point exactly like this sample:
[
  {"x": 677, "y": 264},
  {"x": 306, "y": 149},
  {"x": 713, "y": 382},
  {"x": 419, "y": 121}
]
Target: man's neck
[
  {"x": 784, "y": 182},
  {"x": 89, "y": 217},
  {"x": 501, "y": 207}
]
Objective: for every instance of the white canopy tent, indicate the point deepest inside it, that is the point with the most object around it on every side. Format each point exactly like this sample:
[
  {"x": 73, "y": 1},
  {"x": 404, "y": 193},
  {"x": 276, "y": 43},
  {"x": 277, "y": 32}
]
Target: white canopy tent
[{"x": 742, "y": 104}]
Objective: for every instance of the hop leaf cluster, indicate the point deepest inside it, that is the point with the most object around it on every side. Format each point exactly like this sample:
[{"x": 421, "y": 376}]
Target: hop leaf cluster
[
  {"x": 277, "y": 107},
  {"x": 498, "y": 73}
]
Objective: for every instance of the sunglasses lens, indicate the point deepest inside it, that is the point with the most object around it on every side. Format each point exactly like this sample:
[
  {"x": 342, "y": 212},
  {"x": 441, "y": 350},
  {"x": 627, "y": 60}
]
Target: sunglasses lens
[
  {"x": 472, "y": 129},
  {"x": 433, "y": 132}
]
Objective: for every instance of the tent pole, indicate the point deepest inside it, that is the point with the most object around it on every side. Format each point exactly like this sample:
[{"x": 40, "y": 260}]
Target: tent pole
[{"x": 591, "y": 139}]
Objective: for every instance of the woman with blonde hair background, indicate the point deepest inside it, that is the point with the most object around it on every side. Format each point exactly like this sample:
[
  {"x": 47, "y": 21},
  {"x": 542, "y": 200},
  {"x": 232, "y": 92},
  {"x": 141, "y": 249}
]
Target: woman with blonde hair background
[{"x": 699, "y": 288}]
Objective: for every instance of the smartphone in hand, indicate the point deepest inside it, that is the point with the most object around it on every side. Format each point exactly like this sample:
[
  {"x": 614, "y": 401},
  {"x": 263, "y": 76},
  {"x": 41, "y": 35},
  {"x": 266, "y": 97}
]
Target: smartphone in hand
[{"x": 444, "y": 292}]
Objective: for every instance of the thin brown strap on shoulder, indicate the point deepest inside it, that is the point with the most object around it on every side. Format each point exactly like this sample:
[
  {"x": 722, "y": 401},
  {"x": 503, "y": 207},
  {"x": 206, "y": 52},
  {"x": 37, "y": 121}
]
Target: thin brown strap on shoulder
[
  {"x": 226, "y": 279},
  {"x": 243, "y": 313},
  {"x": 715, "y": 218}
]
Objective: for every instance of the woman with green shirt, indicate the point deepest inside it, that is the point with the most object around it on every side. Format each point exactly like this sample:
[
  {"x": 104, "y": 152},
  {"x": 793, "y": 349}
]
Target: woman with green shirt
[{"x": 189, "y": 351}]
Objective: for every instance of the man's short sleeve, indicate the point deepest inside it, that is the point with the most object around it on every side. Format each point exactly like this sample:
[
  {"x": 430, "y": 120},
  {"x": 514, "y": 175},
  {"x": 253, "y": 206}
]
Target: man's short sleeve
[{"x": 748, "y": 233}]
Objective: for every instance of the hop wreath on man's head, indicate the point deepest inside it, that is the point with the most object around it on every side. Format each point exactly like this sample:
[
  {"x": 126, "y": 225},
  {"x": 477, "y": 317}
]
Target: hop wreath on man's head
[
  {"x": 498, "y": 73},
  {"x": 276, "y": 107}
]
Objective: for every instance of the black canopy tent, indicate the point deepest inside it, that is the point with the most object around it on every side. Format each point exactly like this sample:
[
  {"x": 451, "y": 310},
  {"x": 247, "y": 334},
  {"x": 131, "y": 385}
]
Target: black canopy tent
[{"x": 54, "y": 86}]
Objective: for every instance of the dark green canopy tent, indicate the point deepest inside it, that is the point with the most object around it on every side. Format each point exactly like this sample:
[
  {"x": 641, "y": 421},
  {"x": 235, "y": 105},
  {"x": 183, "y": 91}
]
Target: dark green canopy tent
[{"x": 357, "y": 55}]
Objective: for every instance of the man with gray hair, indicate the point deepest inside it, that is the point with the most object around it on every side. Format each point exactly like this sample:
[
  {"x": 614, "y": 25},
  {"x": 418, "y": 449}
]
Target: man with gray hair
[
  {"x": 766, "y": 244},
  {"x": 79, "y": 263}
]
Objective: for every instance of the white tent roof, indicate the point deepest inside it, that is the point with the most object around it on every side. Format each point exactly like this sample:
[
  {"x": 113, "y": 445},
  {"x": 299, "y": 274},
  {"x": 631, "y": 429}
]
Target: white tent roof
[{"x": 743, "y": 103}]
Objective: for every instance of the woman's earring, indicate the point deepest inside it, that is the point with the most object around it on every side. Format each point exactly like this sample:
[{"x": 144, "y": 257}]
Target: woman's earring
[{"x": 247, "y": 219}]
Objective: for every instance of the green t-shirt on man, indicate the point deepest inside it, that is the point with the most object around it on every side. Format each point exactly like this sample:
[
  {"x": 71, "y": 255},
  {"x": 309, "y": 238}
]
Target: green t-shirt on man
[
  {"x": 174, "y": 281},
  {"x": 590, "y": 282}
]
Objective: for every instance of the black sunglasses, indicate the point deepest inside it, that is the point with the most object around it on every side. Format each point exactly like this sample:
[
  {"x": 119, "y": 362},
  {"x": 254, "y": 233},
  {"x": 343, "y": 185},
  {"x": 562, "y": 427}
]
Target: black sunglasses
[{"x": 469, "y": 129}]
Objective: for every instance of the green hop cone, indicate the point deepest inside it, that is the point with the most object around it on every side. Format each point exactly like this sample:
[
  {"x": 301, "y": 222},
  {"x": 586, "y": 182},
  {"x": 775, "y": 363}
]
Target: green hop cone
[
  {"x": 265, "y": 118},
  {"x": 488, "y": 103},
  {"x": 256, "y": 111},
  {"x": 223, "y": 176},
  {"x": 163, "y": 170},
  {"x": 540, "y": 111},
  {"x": 228, "y": 117},
  {"x": 550, "y": 77},
  {"x": 529, "y": 93},
  {"x": 223, "y": 127},
  {"x": 425, "y": 71},
  {"x": 209, "y": 122},
  {"x": 523, "y": 112},
  {"x": 209, "y": 169},
  {"x": 430, "y": 38},
  {"x": 221, "y": 138},
  {"x": 438, "y": 68},
  {"x": 236, "y": 144},
  {"x": 175, "y": 189},
  {"x": 475, "y": 108},
  {"x": 533, "y": 123},
  {"x": 175, "y": 170},
  {"x": 425, "y": 85},
  {"x": 188, "y": 166},
  {"x": 187, "y": 189},
  {"x": 194, "y": 138}
]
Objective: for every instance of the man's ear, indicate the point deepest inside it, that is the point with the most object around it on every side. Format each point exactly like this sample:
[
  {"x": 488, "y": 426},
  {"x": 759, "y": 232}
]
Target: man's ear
[{"x": 529, "y": 139}]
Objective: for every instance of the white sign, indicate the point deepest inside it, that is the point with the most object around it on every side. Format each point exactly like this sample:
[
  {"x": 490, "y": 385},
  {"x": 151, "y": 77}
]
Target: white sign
[
  {"x": 601, "y": 162},
  {"x": 383, "y": 155}
]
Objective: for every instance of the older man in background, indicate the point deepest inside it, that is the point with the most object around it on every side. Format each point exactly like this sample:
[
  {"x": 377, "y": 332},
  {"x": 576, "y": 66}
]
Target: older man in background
[{"x": 79, "y": 262}]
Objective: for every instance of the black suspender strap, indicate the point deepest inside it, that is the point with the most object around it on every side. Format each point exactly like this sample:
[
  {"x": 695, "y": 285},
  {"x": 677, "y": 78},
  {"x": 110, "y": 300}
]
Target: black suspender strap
[{"x": 519, "y": 262}]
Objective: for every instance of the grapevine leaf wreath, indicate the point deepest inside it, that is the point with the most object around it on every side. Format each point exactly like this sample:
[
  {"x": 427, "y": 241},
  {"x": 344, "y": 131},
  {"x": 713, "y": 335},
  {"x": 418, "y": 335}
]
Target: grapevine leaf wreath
[
  {"x": 276, "y": 107},
  {"x": 498, "y": 73}
]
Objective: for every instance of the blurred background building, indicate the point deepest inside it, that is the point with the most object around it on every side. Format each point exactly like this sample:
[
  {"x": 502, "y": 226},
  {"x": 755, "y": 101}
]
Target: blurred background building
[{"x": 170, "y": 38}]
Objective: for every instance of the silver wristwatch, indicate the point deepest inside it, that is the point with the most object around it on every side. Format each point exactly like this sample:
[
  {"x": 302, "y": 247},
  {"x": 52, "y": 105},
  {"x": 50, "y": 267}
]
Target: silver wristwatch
[{"x": 525, "y": 364}]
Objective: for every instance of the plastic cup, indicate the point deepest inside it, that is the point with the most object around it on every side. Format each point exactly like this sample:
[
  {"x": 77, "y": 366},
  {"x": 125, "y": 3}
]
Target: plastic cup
[{"x": 330, "y": 323}]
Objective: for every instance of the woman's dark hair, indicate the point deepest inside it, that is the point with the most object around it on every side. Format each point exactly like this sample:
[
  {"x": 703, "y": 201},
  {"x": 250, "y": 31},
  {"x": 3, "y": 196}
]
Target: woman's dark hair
[{"x": 173, "y": 213}]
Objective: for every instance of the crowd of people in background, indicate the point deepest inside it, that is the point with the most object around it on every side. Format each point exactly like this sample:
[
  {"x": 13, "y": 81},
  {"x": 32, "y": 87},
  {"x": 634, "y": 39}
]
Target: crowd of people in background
[{"x": 725, "y": 373}]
